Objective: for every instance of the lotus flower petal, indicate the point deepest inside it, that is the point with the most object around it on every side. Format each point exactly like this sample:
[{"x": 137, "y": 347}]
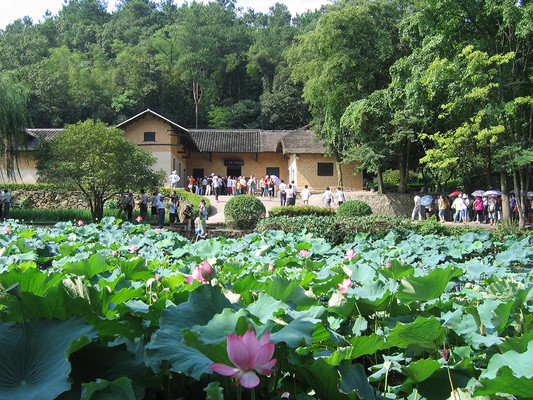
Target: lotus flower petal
[
  {"x": 249, "y": 379},
  {"x": 224, "y": 369}
]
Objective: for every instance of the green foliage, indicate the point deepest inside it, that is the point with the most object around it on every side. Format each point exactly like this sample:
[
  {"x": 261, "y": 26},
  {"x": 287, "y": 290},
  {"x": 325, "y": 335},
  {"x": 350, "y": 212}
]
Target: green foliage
[
  {"x": 110, "y": 164},
  {"x": 13, "y": 120},
  {"x": 334, "y": 229},
  {"x": 354, "y": 208},
  {"x": 187, "y": 197},
  {"x": 392, "y": 176},
  {"x": 244, "y": 211},
  {"x": 409, "y": 295},
  {"x": 293, "y": 211}
]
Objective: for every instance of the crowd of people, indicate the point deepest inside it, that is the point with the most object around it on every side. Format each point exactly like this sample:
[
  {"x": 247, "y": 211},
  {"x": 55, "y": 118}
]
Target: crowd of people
[
  {"x": 267, "y": 186},
  {"x": 462, "y": 208}
]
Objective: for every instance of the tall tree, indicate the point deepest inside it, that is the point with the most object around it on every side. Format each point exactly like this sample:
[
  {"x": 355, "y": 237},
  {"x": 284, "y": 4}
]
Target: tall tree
[
  {"x": 13, "y": 120},
  {"x": 109, "y": 164},
  {"x": 346, "y": 57}
]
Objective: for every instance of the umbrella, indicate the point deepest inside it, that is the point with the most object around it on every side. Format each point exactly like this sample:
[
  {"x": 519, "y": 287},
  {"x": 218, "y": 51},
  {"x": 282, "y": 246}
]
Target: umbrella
[
  {"x": 426, "y": 200},
  {"x": 492, "y": 193},
  {"x": 275, "y": 179},
  {"x": 478, "y": 193},
  {"x": 452, "y": 194}
]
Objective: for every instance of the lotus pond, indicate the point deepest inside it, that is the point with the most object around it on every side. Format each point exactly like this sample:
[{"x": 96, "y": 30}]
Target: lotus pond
[{"x": 108, "y": 311}]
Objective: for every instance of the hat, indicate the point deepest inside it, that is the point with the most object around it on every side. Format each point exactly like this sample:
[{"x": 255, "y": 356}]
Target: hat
[
  {"x": 174, "y": 172},
  {"x": 465, "y": 196}
]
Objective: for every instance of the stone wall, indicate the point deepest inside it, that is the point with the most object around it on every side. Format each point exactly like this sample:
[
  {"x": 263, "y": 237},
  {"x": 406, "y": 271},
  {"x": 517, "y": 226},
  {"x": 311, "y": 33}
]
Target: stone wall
[
  {"x": 391, "y": 204},
  {"x": 48, "y": 200}
]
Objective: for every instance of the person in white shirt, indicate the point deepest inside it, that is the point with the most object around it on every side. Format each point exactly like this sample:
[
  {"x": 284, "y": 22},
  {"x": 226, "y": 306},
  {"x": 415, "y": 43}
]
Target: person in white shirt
[
  {"x": 160, "y": 210},
  {"x": 290, "y": 196},
  {"x": 327, "y": 197},
  {"x": 340, "y": 196},
  {"x": 174, "y": 178},
  {"x": 417, "y": 210},
  {"x": 283, "y": 193},
  {"x": 306, "y": 193}
]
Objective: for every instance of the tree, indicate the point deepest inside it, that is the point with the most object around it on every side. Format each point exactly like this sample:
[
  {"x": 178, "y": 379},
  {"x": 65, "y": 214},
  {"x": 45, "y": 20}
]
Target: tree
[
  {"x": 13, "y": 120},
  {"x": 345, "y": 58},
  {"x": 97, "y": 160}
]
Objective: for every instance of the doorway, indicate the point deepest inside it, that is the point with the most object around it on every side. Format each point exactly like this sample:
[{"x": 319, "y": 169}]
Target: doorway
[{"x": 234, "y": 171}]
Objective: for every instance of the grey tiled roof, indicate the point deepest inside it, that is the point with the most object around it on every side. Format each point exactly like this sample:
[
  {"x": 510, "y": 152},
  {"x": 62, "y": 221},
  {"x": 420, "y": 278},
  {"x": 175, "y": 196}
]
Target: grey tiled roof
[
  {"x": 270, "y": 140},
  {"x": 226, "y": 141},
  {"x": 34, "y": 134},
  {"x": 302, "y": 141}
]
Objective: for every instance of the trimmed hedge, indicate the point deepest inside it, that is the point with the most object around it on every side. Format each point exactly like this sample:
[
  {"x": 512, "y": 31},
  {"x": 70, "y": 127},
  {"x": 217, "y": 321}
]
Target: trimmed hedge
[
  {"x": 354, "y": 208},
  {"x": 293, "y": 211},
  {"x": 244, "y": 211},
  {"x": 334, "y": 229}
]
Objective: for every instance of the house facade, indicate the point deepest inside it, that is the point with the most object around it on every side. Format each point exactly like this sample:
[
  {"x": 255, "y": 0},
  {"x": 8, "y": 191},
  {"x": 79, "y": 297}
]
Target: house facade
[{"x": 291, "y": 155}]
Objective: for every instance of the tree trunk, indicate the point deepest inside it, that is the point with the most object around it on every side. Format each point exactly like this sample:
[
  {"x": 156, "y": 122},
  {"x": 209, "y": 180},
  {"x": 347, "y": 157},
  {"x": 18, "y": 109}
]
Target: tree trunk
[
  {"x": 339, "y": 172},
  {"x": 506, "y": 212},
  {"x": 520, "y": 194},
  {"x": 97, "y": 207},
  {"x": 381, "y": 189},
  {"x": 404, "y": 175}
]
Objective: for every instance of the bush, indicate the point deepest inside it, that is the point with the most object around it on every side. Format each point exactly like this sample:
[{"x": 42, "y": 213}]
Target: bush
[
  {"x": 354, "y": 208},
  {"x": 293, "y": 211},
  {"x": 392, "y": 177},
  {"x": 244, "y": 211},
  {"x": 334, "y": 229}
]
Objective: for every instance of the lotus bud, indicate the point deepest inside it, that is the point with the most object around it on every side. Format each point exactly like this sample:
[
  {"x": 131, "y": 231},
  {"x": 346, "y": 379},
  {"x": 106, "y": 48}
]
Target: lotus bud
[
  {"x": 388, "y": 265},
  {"x": 271, "y": 268},
  {"x": 208, "y": 272}
]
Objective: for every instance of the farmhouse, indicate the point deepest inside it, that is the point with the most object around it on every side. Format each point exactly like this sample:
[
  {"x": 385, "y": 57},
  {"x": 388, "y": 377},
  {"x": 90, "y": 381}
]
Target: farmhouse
[{"x": 290, "y": 154}]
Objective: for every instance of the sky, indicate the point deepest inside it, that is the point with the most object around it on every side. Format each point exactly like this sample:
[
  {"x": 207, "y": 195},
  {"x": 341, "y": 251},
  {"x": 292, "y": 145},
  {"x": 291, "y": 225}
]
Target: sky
[{"x": 11, "y": 10}]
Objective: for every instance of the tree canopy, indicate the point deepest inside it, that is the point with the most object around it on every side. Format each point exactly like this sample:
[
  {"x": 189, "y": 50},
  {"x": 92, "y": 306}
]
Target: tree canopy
[{"x": 97, "y": 160}]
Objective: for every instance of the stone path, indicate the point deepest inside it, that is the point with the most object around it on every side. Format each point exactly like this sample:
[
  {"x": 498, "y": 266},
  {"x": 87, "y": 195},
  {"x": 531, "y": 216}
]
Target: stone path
[{"x": 216, "y": 217}]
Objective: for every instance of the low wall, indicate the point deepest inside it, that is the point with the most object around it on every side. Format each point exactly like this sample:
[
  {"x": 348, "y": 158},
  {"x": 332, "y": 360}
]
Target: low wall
[
  {"x": 391, "y": 204},
  {"x": 48, "y": 200}
]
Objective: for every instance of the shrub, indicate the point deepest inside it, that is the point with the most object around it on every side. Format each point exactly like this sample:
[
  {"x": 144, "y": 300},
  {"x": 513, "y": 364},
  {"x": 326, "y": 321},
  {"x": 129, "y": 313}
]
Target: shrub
[
  {"x": 244, "y": 211},
  {"x": 293, "y": 211},
  {"x": 392, "y": 177},
  {"x": 354, "y": 208},
  {"x": 187, "y": 198},
  {"x": 334, "y": 229}
]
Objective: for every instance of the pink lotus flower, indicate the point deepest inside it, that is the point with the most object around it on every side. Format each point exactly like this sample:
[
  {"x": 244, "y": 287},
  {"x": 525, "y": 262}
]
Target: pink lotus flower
[
  {"x": 157, "y": 230},
  {"x": 157, "y": 277},
  {"x": 133, "y": 249},
  {"x": 139, "y": 218},
  {"x": 80, "y": 222},
  {"x": 250, "y": 357},
  {"x": 346, "y": 283},
  {"x": 388, "y": 265},
  {"x": 7, "y": 230},
  {"x": 350, "y": 253},
  {"x": 271, "y": 268},
  {"x": 203, "y": 273},
  {"x": 114, "y": 253},
  {"x": 303, "y": 253}
]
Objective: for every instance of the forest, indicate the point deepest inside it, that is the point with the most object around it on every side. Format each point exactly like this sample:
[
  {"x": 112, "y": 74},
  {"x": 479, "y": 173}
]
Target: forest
[{"x": 439, "y": 87}]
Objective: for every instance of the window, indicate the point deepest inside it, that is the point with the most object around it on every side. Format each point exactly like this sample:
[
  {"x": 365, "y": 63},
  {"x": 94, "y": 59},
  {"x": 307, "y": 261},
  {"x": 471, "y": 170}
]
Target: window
[
  {"x": 325, "y": 169},
  {"x": 272, "y": 171},
  {"x": 198, "y": 172},
  {"x": 149, "y": 136}
]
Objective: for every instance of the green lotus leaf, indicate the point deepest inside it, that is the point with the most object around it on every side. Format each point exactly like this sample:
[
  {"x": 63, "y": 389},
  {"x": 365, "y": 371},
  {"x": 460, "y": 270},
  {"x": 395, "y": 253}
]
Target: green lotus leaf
[
  {"x": 398, "y": 270},
  {"x": 295, "y": 334},
  {"x": 323, "y": 379},
  {"x": 202, "y": 305},
  {"x": 214, "y": 391},
  {"x": 427, "y": 287},
  {"x": 354, "y": 380},
  {"x": 422, "y": 334},
  {"x": 88, "y": 268},
  {"x": 494, "y": 314},
  {"x": 266, "y": 308},
  {"x": 220, "y": 325},
  {"x": 34, "y": 363},
  {"x": 288, "y": 291},
  {"x": 119, "y": 389},
  {"x": 421, "y": 370},
  {"x": 360, "y": 346},
  {"x": 510, "y": 372},
  {"x": 135, "y": 270},
  {"x": 205, "y": 249}
]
